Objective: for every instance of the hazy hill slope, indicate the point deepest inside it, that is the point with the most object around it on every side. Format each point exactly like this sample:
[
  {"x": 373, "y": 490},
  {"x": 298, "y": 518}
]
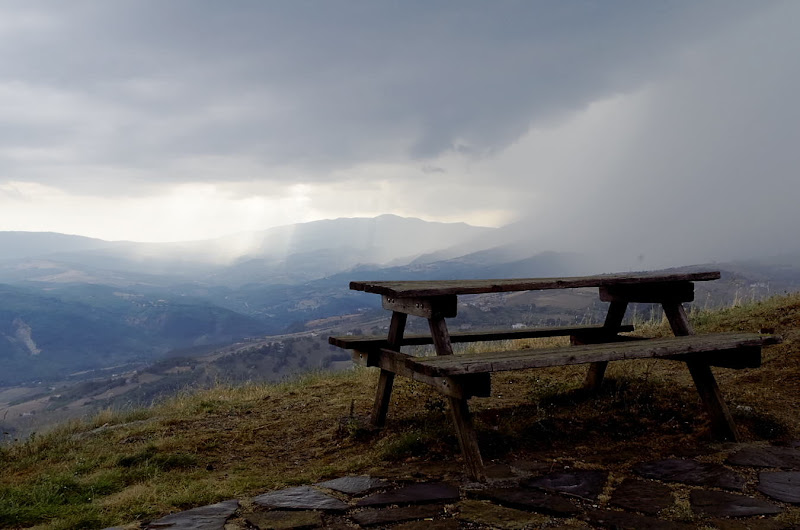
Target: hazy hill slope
[
  {"x": 285, "y": 254},
  {"x": 80, "y": 327},
  {"x": 16, "y": 245}
]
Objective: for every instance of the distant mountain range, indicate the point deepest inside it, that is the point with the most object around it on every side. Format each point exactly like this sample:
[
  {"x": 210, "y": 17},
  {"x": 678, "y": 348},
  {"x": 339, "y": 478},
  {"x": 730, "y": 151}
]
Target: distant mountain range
[
  {"x": 71, "y": 303},
  {"x": 285, "y": 254}
]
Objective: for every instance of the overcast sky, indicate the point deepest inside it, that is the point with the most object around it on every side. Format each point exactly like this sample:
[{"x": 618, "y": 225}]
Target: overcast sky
[{"x": 634, "y": 125}]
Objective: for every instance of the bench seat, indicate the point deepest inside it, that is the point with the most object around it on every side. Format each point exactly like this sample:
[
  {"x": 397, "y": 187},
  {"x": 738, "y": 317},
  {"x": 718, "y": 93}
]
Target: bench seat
[
  {"x": 363, "y": 343},
  {"x": 731, "y": 350}
]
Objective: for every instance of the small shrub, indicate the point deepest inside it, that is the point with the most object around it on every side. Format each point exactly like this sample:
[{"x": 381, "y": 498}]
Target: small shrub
[{"x": 403, "y": 446}]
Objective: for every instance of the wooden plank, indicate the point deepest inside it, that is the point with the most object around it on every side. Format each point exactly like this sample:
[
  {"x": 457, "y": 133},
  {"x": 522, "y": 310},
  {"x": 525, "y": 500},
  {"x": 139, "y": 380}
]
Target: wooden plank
[
  {"x": 445, "y": 306},
  {"x": 597, "y": 370},
  {"x": 599, "y": 332},
  {"x": 722, "y": 425},
  {"x": 467, "y": 439},
  {"x": 408, "y": 289},
  {"x": 440, "y": 336},
  {"x": 383, "y": 394},
  {"x": 746, "y": 357},
  {"x": 394, "y": 362},
  {"x": 695, "y": 345},
  {"x": 654, "y": 293},
  {"x": 678, "y": 319},
  {"x": 397, "y": 328}
]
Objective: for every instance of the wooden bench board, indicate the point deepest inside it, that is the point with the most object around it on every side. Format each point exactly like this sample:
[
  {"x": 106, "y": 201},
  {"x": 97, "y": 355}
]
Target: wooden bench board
[
  {"x": 421, "y": 288},
  {"x": 671, "y": 347},
  {"x": 350, "y": 342}
]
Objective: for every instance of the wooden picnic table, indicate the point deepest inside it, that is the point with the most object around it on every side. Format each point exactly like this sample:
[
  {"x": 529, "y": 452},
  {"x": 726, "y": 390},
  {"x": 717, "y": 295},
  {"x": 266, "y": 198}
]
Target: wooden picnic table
[{"x": 463, "y": 376}]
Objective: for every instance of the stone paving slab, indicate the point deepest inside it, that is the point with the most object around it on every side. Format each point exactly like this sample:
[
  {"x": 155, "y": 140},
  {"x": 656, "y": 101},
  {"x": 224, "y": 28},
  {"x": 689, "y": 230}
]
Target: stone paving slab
[
  {"x": 770, "y": 456},
  {"x": 532, "y": 466},
  {"x": 511, "y": 502},
  {"x": 527, "y": 499},
  {"x": 691, "y": 472},
  {"x": 354, "y": 485},
  {"x": 372, "y": 517},
  {"x": 211, "y": 517},
  {"x": 438, "y": 524},
  {"x": 285, "y": 520},
  {"x": 494, "y": 516},
  {"x": 643, "y": 496},
  {"x": 780, "y": 485},
  {"x": 631, "y": 521},
  {"x": 300, "y": 498},
  {"x": 759, "y": 523},
  {"x": 498, "y": 471},
  {"x": 722, "y": 504},
  {"x": 413, "y": 494},
  {"x": 584, "y": 483}
]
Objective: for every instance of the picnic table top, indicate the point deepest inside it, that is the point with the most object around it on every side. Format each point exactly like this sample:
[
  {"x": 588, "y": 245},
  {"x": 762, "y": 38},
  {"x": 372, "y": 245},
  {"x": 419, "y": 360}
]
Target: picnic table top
[{"x": 427, "y": 288}]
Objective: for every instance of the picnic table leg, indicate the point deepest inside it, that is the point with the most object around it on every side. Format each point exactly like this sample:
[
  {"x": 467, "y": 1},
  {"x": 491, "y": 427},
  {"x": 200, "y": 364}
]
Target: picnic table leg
[
  {"x": 467, "y": 439},
  {"x": 597, "y": 370},
  {"x": 722, "y": 424},
  {"x": 386, "y": 379},
  {"x": 459, "y": 408}
]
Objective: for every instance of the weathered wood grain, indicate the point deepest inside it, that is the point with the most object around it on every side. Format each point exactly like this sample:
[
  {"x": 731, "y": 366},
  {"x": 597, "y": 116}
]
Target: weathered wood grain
[
  {"x": 597, "y": 370},
  {"x": 467, "y": 438},
  {"x": 693, "y": 347},
  {"x": 722, "y": 425},
  {"x": 405, "y": 289},
  {"x": 440, "y": 335},
  {"x": 394, "y": 363},
  {"x": 350, "y": 342},
  {"x": 383, "y": 394},
  {"x": 445, "y": 306},
  {"x": 649, "y": 292}
]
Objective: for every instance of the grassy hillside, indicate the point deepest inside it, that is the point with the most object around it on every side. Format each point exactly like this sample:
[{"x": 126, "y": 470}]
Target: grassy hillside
[{"x": 236, "y": 442}]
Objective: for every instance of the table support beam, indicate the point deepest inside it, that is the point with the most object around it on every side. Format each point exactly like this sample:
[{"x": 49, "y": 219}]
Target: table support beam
[
  {"x": 596, "y": 372},
  {"x": 722, "y": 425},
  {"x": 386, "y": 380},
  {"x": 467, "y": 438},
  {"x": 440, "y": 335},
  {"x": 459, "y": 408}
]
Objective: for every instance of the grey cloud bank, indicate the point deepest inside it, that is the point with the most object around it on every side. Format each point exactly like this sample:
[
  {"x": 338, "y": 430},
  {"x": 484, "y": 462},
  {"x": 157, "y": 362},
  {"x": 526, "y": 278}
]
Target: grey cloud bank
[{"x": 659, "y": 129}]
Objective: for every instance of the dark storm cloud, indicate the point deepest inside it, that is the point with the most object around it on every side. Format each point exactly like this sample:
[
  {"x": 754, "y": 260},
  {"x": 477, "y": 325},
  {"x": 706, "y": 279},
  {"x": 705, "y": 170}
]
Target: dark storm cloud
[{"x": 320, "y": 85}]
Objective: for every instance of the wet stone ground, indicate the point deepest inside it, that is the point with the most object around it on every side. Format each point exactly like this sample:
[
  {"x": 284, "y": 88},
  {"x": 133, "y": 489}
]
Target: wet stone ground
[{"x": 749, "y": 486}]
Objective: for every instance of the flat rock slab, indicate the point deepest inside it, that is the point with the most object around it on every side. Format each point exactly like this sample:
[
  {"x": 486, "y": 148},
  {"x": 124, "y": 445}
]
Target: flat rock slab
[
  {"x": 531, "y": 466},
  {"x": 642, "y": 496},
  {"x": 300, "y": 498},
  {"x": 382, "y": 516},
  {"x": 436, "y": 524},
  {"x": 759, "y": 523},
  {"x": 354, "y": 485},
  {"x": 285, "y": 520},
  {"x": 527, "y": 499},
  {"x": 722, "y": 504},
  {"x": 584, "y": 483},
  {"x": 413, "y": 494},
  {"x": 782, "y": 457},
  {"x": 631, "y": 521},
  {"x": 211, "y": 517},
  {"x": 488, "y": 514},
  {"x": 498, "y": 471},
  {"x": 780, "y": 485},
  {"x": 691, "y": 472}
]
